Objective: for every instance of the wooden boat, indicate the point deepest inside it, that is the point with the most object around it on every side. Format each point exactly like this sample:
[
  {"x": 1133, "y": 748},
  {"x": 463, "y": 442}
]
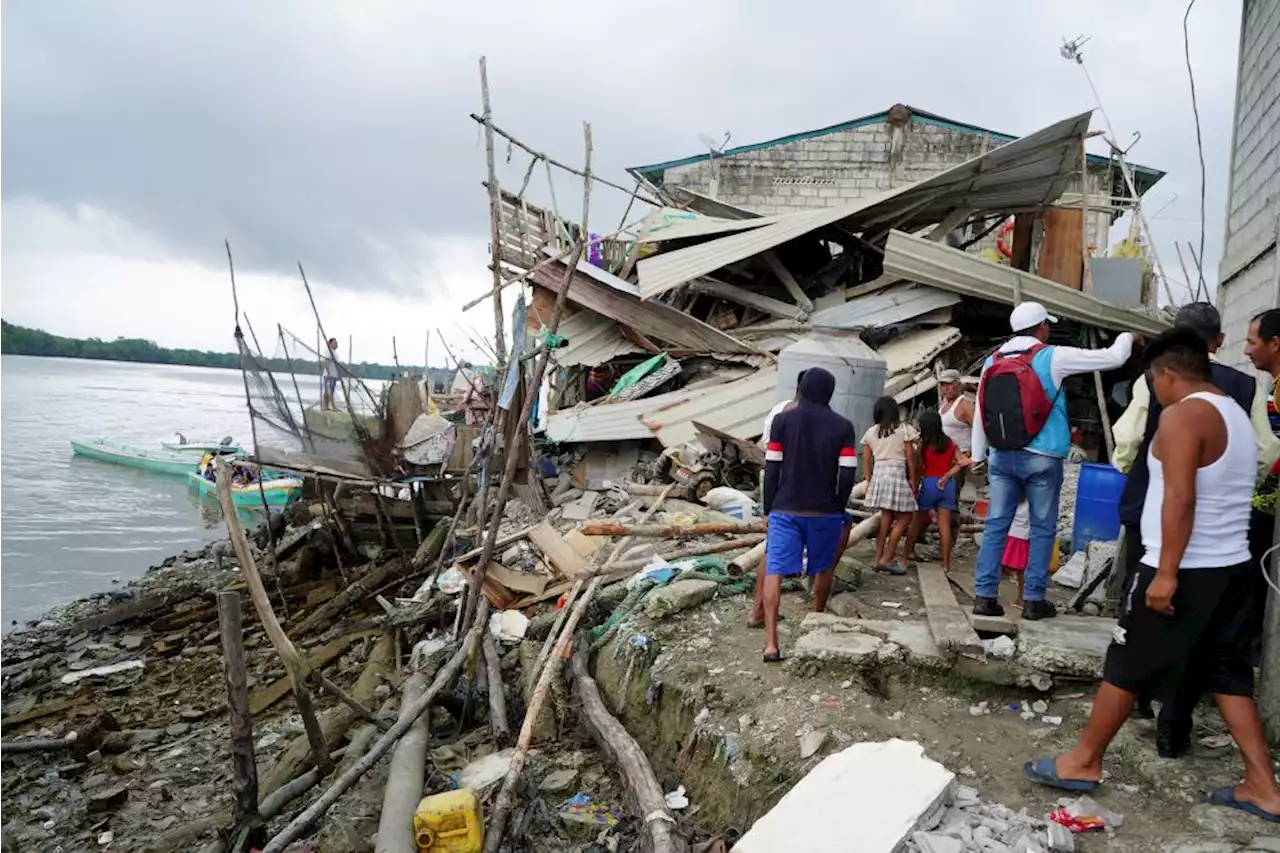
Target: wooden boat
[
  {"x": 159, "y": 461},
  {"x": 279, "y": 491}
]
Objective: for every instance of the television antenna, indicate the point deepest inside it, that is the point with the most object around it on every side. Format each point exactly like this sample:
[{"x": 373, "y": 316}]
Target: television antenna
[{"x": 714, "y": 151}]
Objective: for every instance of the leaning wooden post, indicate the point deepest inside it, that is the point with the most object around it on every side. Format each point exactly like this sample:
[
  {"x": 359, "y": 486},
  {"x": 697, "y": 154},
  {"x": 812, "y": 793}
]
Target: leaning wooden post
[
  {"x": 244, "y": 772},
  {"x": 495, "y": 220},
  {"x": 512, "y": 457},
  {"x": 294, "y": 665}
]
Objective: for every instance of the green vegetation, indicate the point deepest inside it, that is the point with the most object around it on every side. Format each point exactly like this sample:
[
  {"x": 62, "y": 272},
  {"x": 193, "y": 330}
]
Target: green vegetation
[{"x": 19, "y": 340}]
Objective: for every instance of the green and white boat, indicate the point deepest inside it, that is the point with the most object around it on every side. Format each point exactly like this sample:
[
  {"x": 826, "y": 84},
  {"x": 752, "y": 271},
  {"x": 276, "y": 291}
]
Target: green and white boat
[
  {"x": 159, "y": 461},
  {"x": 202, "y": 446},
  {"x": 279, "y": 491}
]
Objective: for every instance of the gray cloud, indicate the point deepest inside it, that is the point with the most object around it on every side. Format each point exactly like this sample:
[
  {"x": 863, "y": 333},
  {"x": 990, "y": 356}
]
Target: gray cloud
[{"x": 338, "y": 133}]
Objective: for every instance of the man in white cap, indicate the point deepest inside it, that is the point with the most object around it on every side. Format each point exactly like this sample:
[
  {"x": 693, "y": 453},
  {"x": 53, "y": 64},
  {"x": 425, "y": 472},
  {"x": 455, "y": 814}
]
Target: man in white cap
[{"x": 1021, "y": 415}]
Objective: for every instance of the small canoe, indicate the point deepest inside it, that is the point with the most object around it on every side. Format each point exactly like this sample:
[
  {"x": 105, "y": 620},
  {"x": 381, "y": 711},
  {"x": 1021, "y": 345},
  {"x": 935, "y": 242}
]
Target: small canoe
[
  {"x": 279, "y": 491},
  {"x": 159, "y": 461}
]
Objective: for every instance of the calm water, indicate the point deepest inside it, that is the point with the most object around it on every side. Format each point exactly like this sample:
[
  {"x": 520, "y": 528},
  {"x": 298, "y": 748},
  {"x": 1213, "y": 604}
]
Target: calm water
[{"x": 70, "y": 526}]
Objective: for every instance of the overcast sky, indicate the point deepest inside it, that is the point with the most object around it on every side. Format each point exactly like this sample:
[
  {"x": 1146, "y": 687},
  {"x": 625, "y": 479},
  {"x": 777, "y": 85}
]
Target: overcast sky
[{"x": 136, "y": 136}]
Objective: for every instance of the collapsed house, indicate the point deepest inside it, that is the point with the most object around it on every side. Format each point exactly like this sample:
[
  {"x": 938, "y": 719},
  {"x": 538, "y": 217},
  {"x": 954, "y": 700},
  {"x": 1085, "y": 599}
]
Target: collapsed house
[{"x": 910, "y": 233}]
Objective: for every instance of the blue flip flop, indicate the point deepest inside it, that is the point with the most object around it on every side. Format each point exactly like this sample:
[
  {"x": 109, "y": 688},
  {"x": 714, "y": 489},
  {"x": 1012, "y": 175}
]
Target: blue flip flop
[
  {"x": 1043, "y": 772},
  {"x": 1227, "y": 797}
]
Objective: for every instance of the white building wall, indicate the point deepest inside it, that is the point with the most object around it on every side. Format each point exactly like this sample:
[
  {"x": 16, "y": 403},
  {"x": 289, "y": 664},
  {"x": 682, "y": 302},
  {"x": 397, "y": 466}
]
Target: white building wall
[{"x": 1250, "y": 281}]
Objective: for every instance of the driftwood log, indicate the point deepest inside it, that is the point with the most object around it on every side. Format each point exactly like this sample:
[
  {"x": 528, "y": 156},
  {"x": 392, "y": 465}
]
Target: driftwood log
[
  {"x": 498, "y": 721},
  {"x": 658, "y": 833},
  {"x": 244, "y": 773}
]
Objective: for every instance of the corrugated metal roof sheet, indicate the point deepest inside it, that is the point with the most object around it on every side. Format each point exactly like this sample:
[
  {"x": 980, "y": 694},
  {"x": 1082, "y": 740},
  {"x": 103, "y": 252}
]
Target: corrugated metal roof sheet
[
  {"x": 884, "y": 308},
  {"x": 593, "y": 339},
  {"x": 737, "y": 408},
  {"x": 917, "y": 348},
  {"x": 927, "y": 262},
  {"x": 680, "y": 224},
  {"x": 1028, "y": 172},
  {"x": 606, "y": 294}
]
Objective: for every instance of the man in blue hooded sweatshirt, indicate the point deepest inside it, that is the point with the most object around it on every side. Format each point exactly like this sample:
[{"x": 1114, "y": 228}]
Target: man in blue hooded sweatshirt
[{"x": 809, "y": 471}]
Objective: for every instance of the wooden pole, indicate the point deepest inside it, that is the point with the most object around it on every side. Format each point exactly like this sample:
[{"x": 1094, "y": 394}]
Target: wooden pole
[
  {"x": 1102, "y": 401},
  {"x": 244, "y": 771},
  {"x": 304, "y": 821},
  {"x": 293, "y": 662},
  {"x": 497, "y": 697},
  {"x": 540, "y": 367},
  {"x": 670, "y": 531},
  {"x": 495, "y": 219}
]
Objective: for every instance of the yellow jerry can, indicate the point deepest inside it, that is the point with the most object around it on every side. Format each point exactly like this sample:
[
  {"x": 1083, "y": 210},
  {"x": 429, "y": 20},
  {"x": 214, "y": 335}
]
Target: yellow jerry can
[{"x": 451, "y": 822}]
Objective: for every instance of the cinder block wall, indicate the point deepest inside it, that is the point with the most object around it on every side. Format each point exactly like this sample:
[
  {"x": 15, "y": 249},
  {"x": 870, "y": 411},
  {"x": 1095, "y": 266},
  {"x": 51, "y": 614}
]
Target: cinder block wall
[{"x": 1248, "y": 274}]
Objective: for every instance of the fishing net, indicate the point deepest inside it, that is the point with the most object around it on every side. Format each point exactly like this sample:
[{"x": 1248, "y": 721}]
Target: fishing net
[{"x": 311, "y": 412}]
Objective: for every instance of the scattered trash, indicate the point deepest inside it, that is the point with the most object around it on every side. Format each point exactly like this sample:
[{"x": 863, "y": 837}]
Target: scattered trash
[
  {"x": 509, "y": 626},
  {"x": 581, "y": 809},
  {"x": 677, "y": 799},
  {"x": 1001, "y": 648},
  {"x": 1053, "y": 721},
  {"x": 108, "y": 669},
  {"x": 1084, "y": 814},
  {"x": 558, "y": 780},
  {"x": 812, "y": 741},
  {"x": 732, "y": 502},
  {"x": 1071, "y": 574},
  {"x": 1040, "y": 706},
  {"x": 893, "y": 605},
  {"x": 1216, "y": 741},
  {"x": 106, "y": 838},
  {"x": 450, "y": 582},
  {"x": 979, "y": 709},
  {"x": 484, "y": 773}
]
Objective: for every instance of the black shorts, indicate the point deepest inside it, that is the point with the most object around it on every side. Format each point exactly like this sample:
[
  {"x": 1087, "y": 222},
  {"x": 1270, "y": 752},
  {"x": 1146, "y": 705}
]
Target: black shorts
[{"x": 1207, "y": 635}]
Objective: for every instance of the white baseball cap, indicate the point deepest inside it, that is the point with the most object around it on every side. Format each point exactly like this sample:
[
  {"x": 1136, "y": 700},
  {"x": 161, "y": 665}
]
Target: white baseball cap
[{"x": 1028, "y": 315}]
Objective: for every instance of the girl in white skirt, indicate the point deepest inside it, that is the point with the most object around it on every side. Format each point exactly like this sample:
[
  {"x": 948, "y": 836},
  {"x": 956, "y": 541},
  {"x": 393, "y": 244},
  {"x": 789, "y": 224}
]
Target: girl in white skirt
[{"x": 890, "y": 462}]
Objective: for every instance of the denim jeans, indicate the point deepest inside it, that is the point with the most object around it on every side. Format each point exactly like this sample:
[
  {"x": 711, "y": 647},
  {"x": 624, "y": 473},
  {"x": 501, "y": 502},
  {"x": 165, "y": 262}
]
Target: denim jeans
[{"x": 1011, "y": 476}]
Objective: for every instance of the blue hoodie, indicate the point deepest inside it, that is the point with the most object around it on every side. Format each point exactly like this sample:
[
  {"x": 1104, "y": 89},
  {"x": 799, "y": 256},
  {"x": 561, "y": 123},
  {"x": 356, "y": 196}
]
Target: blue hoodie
[{"x": 811, "y": 457}]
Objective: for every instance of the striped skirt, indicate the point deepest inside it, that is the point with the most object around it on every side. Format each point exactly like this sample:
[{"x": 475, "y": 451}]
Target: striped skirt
[{"x": 890, "y": 489}]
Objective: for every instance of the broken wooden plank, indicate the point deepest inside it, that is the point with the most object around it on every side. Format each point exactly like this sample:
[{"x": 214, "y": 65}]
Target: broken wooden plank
[
  {"x": 48, "y": 709},
  {"x": 559, "y": 553},
  {"x": 788, "y": 281},
  {"x": 530, "y": 583},
  {"x": 584, "y": 545},
  {"x": 951, "y": 630},
  {"x": 136, "y": 609},
  {"x": 322, "y": 656},
  {"x": 670, "y": 531}
]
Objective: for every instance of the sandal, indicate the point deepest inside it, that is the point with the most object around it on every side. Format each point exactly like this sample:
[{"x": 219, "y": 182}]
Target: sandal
[
  {"x": 1044, "y": 771},
  {"x": 757, "y": 625},
  {"x": 1227, "y": 797},
  {"x": 773, "y": 657}
]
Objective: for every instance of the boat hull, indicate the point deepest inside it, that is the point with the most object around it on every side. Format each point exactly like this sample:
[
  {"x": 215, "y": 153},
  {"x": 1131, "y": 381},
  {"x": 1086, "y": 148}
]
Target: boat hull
[
  {"x": 157, "y": 461},
  {"x": 201, "y": 448},
  {"x": 278, "y": 492}
]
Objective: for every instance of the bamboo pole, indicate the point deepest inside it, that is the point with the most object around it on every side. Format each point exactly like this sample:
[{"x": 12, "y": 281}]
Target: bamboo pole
[
  {"x": 244, "y": 772},
  {"x": 293, "y": 662},
  {"x": 497, "y": 697},
  {"x": 304, "y": 821},
  {"x": 495, "y": 218},
  {"x": 547, "y": 667},
  {"x": 540, "y": 367},
  {"x": 699, "y": 550}
]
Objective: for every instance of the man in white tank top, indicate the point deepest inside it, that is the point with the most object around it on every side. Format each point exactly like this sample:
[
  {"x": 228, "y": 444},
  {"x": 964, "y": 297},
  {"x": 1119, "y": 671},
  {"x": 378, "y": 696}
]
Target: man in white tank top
[{"x": 1188, "y": 614}]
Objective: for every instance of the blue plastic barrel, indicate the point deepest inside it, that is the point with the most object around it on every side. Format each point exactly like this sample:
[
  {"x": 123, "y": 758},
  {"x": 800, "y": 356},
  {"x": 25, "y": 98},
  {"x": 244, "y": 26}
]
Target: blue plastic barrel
[{"x": 1097, "y": 505}]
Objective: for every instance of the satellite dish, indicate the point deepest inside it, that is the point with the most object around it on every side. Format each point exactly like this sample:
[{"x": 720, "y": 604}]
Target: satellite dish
[{"x": 712, "y": 145}]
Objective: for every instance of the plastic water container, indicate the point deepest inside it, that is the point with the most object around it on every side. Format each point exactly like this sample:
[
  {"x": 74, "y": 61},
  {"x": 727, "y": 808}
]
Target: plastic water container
[
  {"x": 1097, "y": 505},
  {"x": 859, "y": 372},
  {"x": 449, "y": 823}
]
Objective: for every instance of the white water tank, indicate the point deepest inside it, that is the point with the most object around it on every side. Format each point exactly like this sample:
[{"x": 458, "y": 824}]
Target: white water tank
[{"x": 860, "y": 373}]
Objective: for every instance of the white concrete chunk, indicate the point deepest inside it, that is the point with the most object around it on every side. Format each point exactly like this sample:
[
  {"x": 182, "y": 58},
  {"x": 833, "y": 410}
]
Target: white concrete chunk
[{"x": 883, "y": 789}]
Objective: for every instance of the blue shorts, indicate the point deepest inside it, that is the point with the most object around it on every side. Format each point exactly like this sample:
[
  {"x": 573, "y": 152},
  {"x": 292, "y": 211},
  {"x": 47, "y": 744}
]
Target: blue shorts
[
  {"x": 792, "y": 538},
  {"x": 932, "y": 497}
]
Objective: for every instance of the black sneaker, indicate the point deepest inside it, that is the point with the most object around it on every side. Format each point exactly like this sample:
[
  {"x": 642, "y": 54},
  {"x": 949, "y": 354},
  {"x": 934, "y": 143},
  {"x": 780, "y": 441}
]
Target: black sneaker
[
  {"x": 987, "y": 607},
  {"x": 1039, "y": 610}
]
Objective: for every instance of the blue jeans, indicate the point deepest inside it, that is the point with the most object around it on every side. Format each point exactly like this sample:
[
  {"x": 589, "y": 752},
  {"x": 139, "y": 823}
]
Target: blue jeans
[{"x": 1011, "y": 476}]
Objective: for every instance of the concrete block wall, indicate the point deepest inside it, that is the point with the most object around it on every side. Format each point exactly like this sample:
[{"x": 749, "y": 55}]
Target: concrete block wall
[{"x": 1248, "y": 281}]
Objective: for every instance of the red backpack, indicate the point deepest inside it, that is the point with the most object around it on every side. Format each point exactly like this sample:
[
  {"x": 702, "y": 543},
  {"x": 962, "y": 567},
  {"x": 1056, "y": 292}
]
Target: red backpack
[{"x": 1014, "y": 404}]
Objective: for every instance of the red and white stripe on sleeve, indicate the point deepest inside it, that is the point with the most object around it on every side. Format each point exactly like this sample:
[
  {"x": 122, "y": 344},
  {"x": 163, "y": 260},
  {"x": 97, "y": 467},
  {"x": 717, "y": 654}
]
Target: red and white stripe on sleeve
[
  {"x": 773, "y": 452},
  {"x": 848, "y": 457}
]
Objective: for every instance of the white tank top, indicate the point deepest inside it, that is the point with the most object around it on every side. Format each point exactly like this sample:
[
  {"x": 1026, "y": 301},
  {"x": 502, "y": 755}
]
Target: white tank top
[
  {"x": 955, "y": 429},
  {"x": 1224, "y": 491}
]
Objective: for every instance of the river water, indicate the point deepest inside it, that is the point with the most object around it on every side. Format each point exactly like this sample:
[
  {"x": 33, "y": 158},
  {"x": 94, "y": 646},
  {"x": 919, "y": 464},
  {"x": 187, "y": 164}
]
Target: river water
[{"x": 71, "y": 526}]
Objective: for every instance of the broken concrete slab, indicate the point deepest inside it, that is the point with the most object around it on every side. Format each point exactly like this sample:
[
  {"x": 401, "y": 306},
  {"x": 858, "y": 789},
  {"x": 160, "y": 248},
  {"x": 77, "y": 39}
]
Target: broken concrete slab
[
  {"x": 1072, "y": 646},
  {"x": 884, "y": 789},
  {"x": 583, "y": 508},
  {"x": 912, "y": 641},
  {"x": 827, "y": 644},
  {"x": 932, "y": 842},
  {"x": 681, "y": 595}
]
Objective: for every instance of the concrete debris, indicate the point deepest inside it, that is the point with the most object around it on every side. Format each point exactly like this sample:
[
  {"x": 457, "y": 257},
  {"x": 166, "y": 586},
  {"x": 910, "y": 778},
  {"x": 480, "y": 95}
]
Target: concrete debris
[
  {"x": 1060, "y": 838},
  {"x": 558, "y": 781},
  {"x": 1000, "y": 648},
  {"x": 681, "y": 595},
  {"x": 811, "y": 742}
]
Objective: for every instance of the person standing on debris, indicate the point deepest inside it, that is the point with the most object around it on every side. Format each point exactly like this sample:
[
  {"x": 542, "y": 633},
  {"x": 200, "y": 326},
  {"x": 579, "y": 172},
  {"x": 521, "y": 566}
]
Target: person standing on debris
[
  {"x": 892, "y": 470},
  {"x": 756, "y": 619},
  {"x": 809, "y": 471},
  {"x": 329, "y": 382},
  {"x": 1021, "y": 415},
  {"x": 1185, "y": 610},
  {"x": 1134, "y": 432}
]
